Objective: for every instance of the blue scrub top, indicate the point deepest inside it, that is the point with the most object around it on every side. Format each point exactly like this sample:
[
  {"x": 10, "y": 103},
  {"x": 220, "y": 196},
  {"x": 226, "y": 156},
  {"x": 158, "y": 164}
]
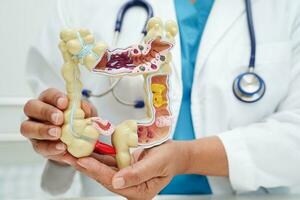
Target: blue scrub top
[{"x": 191, "y": 19}]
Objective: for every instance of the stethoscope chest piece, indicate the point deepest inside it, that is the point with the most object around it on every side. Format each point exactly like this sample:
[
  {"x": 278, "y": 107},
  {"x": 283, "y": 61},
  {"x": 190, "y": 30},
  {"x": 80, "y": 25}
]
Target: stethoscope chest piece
[{"x": 249, "y": 87}]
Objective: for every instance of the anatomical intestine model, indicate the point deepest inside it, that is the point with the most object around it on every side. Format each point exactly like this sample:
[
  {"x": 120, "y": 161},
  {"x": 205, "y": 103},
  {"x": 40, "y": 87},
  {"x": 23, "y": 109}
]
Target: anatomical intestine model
[{"x": 151, "y": 59}]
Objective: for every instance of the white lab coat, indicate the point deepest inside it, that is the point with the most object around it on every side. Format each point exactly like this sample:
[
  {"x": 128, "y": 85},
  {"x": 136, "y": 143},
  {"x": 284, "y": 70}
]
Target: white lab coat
[{"x": 262, "y": 140}]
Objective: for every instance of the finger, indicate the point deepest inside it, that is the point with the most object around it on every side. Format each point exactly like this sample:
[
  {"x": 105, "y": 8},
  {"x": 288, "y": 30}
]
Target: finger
[
  {"x": 136, "y": 174},
  {"x": 86, "y": 108},
  {"x": 89, "y": 109},
  {"x": 39, "y": 110},
  {"x": 105, "y": 159},
  {"x": 55, "y": 98},
  {"x": 65, "y": 158},
  {"x": 36, "y": 130},
  {"x": 48, "y": 148},
  {"x": 103, "y": 174},
  {"x": 96, "y": 170}
]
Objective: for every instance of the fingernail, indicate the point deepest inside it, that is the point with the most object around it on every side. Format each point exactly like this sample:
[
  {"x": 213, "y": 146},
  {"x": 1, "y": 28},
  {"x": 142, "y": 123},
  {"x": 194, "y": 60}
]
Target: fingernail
[
  {"x": 54, "y": 117},
  {"x": 60, "y": 146},
  {"x": 83, "y": 163},
  {"x": 118, "y": 183},
  {"x": 53, "y": 132},
  {"x": 61, "y": 102}
]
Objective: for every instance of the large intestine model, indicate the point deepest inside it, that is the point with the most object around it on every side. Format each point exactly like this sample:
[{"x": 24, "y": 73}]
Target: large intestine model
[{"x": 151, "y": 59}]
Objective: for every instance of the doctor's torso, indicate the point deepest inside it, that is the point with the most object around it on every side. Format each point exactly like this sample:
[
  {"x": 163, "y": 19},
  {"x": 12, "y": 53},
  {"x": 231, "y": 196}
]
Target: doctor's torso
[{"x": 223, "y": 54}]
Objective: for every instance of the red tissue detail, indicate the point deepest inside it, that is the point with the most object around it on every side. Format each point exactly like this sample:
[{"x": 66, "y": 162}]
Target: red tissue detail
[
  {"x": 131, "y": 57},
  {"x": 135, "y": 51},
  {"x": 102, "y": 126},
  {"x": 150, "y": 133},
  {"x": 140, "y": 131},
  {"x": 153, "y": 66},
  {"x": 105, "y": 149}
]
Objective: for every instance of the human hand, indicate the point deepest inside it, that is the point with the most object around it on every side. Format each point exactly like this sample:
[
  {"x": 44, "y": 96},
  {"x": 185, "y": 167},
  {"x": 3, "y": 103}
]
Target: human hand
[
  {"x": 43, "y": 128},
  {"x": 151, "y": 171}
]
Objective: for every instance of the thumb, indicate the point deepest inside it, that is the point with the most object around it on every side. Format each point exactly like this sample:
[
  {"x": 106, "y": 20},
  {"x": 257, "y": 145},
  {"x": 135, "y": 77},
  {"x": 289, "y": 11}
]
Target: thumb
[{"x": 136, "y": 174}]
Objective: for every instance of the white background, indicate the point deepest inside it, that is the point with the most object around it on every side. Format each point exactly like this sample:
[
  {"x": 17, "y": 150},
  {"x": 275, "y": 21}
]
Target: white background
[{"x": 21, "y": 22}]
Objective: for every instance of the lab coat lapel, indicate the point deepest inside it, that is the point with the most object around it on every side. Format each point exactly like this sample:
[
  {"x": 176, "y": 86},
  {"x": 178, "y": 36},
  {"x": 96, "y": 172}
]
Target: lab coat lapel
[
  {"x": 176, "y": 73},
  {"x": 222, "y": 17}
]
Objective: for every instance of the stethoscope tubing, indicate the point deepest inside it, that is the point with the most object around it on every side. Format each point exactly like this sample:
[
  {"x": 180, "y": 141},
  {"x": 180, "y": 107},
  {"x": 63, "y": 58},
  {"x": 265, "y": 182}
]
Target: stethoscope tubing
[{"x": 251, "y": 33}]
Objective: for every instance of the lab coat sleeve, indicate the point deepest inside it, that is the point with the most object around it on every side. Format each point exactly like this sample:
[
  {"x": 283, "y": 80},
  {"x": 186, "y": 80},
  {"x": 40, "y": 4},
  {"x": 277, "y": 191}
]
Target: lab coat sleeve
[
  {"x": 56, "y": 178},
  {"x": 267, "y": 154},
  {"x": 43, "y": 71}
]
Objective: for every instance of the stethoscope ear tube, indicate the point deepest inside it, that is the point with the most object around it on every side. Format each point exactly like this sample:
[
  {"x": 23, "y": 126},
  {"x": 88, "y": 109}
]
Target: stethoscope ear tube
[{"x": 133, "y": 3}]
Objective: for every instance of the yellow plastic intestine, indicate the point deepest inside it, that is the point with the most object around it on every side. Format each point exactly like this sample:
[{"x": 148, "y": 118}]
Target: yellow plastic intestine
[
  {"x": 124, "y": 138},
  {"x": 78, "y": 133}
]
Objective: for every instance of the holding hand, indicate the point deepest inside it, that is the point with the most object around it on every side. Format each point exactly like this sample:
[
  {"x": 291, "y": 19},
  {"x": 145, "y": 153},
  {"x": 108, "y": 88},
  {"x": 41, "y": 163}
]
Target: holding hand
[
  {"x": 43, "y": 128},
  {"x": 152, "y": 171}
]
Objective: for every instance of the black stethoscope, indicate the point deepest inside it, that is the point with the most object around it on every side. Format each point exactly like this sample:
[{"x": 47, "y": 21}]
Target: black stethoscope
[{"x": 248, "y": 87}]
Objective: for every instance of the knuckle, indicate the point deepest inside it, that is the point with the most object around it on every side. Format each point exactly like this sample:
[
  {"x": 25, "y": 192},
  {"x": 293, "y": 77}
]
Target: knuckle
[
  {"x": 54, "y": 157},
  {"x": 46, "y": 112},
  {"x": 87, "y": 108},
  {"x": 43, "y": 93},
  {"x": 28, "y": 106},
  {"x": 41, "y": 130},
  {"x": 23, "y": 127},
  {"x": 56, "y": 95},
  {"x": 50, "y": 95},
  {"x": 46, "y": 92},
  {"x": 141, "y": 188},
  {"x": 49, "y": 147},
  {"x": 50, "y": 157},
  {"x": 134, "y": 175},
  {"x": 36, "y": 146}
]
